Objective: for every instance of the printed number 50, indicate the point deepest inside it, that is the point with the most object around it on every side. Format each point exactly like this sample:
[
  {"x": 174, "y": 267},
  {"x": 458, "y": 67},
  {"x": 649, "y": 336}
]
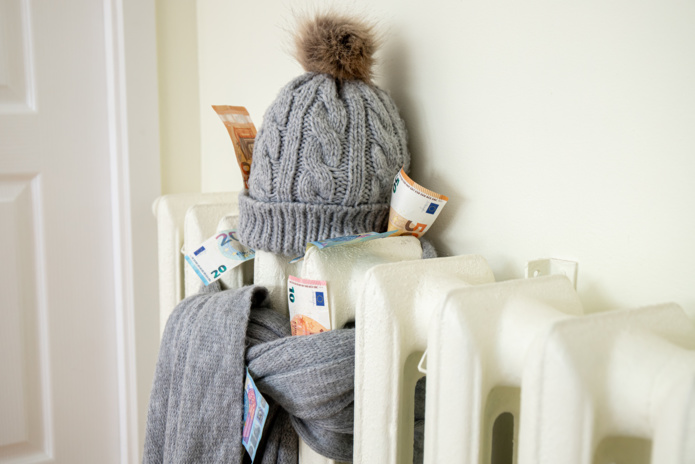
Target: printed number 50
[{"x": 216, "y": 272}]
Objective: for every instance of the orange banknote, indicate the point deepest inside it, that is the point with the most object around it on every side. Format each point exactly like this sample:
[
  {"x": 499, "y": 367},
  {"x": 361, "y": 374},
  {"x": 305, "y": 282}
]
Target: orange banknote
[
  {"x": 413, "y": 207},
  {"x": 243, "y": 133},
  {"x": 308, "y": 303},
  {"x": 304, "y": 325}
]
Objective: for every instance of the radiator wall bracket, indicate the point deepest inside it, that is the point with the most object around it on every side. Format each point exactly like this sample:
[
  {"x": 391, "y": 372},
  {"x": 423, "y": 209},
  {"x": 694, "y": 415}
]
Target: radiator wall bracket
[{"x": 553, "y": 266}]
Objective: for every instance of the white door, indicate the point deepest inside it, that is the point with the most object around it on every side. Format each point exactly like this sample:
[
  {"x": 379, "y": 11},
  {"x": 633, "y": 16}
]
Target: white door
[{"x": 67, "y": 365}]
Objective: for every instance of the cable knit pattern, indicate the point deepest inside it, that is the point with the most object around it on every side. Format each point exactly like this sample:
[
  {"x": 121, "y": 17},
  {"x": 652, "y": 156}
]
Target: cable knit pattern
[{"x": 323, "y": 164}]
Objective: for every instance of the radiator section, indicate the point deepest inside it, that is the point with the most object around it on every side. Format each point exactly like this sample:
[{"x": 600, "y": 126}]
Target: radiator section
[{"x": 516, "y": 374}]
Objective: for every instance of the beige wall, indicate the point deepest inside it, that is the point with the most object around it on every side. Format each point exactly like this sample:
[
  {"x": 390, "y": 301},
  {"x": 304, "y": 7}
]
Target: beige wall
[
  {"x": 179, "y": 117},
  {"x": 557, "y": 129}
]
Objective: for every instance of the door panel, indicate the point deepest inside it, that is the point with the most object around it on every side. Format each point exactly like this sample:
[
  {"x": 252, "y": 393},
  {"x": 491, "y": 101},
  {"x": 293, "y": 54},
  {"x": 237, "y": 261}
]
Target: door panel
[
  {"x": 23, "y": 361},
  {"x": 16, "y": 75},
  {"x": 62, "y": 394}
]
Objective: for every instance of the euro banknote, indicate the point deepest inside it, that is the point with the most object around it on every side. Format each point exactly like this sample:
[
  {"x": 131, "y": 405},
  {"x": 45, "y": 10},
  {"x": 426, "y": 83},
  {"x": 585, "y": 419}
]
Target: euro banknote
[
  {"x": 413, "y": 208},
  {"x": 217, "y": 255},
  {"x": 243, "y": 133},
  {"x": 342, "y": 241},
  {"x": 309, "y": 308},
  {"x": 256, "y": 410}
]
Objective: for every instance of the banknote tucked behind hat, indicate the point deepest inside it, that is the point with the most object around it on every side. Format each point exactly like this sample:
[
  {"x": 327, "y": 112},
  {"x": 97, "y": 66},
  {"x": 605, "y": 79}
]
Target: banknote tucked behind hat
[{"x": 329, "y": 146}]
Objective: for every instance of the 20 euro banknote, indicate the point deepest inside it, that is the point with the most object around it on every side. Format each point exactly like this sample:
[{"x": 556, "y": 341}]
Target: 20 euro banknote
[
  {"x": 217, "y": 255},
  {"x": 342, "y": 241},
  {"x": 256, "y": 410}
]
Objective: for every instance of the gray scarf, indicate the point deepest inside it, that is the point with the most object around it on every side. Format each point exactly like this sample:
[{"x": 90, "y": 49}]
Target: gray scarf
[{"x": 196, "y": 405}]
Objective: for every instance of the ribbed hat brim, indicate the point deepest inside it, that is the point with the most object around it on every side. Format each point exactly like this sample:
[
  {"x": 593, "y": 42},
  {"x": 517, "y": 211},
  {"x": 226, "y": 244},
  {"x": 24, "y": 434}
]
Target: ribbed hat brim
[{"x": 286, "y": 228}]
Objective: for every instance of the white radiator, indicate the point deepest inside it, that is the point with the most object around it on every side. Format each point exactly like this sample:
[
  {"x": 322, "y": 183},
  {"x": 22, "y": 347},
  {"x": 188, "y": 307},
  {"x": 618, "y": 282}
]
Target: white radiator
[{"x": 515, "y": 373}]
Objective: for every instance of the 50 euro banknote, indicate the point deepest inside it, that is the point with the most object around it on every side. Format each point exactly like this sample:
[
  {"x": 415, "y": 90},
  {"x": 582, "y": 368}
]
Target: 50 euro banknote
[
  {"x": 243, "y": 133},
  {"x": 413, "y": 207}
]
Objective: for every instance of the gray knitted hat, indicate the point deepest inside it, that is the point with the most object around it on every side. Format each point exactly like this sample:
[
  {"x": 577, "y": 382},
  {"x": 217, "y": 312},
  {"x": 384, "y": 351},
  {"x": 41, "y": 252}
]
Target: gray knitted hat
[{"x": 329, "y": 147}]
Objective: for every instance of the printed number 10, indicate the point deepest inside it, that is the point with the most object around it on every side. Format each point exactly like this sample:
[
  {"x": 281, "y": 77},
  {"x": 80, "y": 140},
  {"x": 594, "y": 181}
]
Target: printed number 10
[
  {"x": 292, "y": 295},
  {"x": 216, "y": 272}
]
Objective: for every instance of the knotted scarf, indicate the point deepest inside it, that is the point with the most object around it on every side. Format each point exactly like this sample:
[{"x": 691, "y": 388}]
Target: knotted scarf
[{"x": 196, "y": 405}]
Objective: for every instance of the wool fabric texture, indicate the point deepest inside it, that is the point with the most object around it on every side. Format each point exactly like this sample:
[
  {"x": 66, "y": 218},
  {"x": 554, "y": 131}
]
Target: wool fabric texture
[
  {"x": 323, "y": 164},
  {"x": 196, "y": 405}
]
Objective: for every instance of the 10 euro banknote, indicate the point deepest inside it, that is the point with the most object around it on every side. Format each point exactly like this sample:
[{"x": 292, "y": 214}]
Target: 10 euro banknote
[{"x": 309, "y": 308}]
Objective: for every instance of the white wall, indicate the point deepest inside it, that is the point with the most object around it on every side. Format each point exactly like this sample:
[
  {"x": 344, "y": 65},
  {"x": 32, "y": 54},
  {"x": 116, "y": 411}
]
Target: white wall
[{"x": 557, "y": 129}]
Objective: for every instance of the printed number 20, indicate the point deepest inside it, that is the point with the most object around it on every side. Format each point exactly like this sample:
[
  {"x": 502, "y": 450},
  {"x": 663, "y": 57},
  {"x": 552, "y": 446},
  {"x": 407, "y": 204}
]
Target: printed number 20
[{"x": 216, "y": 272}]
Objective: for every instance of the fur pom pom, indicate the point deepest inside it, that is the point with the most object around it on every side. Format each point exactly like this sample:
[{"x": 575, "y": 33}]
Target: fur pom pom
[{"x": 337, "y": 45}]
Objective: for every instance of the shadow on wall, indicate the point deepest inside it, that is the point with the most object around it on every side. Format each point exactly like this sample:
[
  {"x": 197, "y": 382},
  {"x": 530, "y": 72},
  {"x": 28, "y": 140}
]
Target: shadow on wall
[
  {"x": 395, "y": 76},
  {"x": 623, "y": 449}
]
